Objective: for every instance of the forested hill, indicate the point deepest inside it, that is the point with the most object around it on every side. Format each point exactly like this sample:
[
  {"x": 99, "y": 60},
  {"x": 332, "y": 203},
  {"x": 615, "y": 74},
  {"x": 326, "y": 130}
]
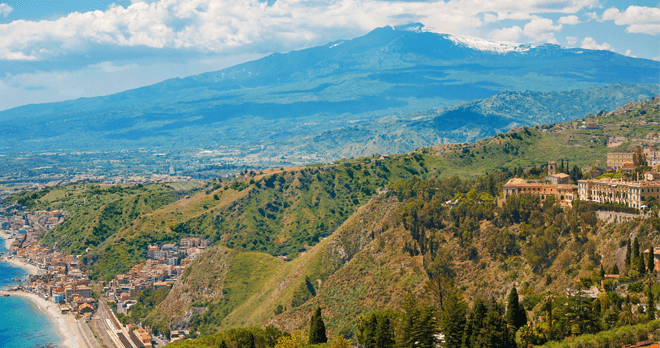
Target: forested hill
[{"x": 371, "y": 228}]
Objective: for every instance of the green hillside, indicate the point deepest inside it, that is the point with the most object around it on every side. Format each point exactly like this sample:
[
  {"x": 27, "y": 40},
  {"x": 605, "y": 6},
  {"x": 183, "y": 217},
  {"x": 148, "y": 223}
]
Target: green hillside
[{"x": 362, "y": 232}]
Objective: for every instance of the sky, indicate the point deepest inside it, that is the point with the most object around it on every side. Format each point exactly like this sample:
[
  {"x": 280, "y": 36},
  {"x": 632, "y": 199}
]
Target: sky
[{"x": 55, "y": 50}]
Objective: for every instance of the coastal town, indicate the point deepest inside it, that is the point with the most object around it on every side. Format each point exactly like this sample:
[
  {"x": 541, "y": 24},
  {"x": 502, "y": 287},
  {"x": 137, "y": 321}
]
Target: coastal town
[
  {"x": 57, "y": 280},
  {"x": 95, "y": 308}
]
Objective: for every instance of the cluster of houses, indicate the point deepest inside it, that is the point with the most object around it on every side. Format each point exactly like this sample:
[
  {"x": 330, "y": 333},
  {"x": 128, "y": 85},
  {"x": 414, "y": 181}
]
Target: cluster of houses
[
  {"x": 163, "y": 266},
  {"x": 28, "y": 228},
  {"x": 59, "y": 280},
  {"x": 635, "y": 192}
]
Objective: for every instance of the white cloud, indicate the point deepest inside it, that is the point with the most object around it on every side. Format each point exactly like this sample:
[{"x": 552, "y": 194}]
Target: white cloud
[
  {"x": 489, "y": 17},
  {"x": 571, "y": 40},
  {"x": 569, "y": 20},
  {"x": 507, "y": 34},
  {"x": 629, "y": 54},
  {"x": 253, "y": 26},
  {"x": 591, "y": 44},
  {"x": 592, "y": 16},
  {"x": 639, "y": 19},
  {"x": 5, "y": 10},
  {"x": 656, "y": 58},
  {"x": 541, "y": 29}
]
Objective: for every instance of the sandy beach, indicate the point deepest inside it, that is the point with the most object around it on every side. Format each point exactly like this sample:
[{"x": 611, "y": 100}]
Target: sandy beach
[
  {"x": 32, "y": 269},
  {"x": 67, "y": 326}
]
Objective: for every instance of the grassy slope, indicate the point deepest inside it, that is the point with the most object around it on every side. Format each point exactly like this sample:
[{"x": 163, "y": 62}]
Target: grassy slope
[
  {"x": 253, "y": 284},
  {"x": 285, "y": 212},
  {"x": 381, "y": 272}
]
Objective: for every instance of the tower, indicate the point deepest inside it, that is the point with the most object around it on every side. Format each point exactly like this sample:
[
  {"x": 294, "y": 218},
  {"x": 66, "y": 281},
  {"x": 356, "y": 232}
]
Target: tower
[{"x": 552, "y": 167}]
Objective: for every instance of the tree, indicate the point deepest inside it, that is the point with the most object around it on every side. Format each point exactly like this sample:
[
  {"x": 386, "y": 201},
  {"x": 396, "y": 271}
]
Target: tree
[
  {"x": 223, "y": 344},
  {"x": 651, "y": 260},
  {"x": 317, "y": 328},
  {"x": 650, "y": 302},
  {"x": 602, "y": 271},
  {"x": 452, "y": 319},
  {"x": 426, "y": 329},
  {"x": 641, "y": 266},
  {"x": 370, "y": 332},
  {"x": 516, "y": 315},
  {"x": 384, "y": 333},
  {"x": 635, "y": 251},
  {"x": 474, "y": 323},
  {"x": 628, "y": 315},
  {"x": 615, "y": 269},
  {"x": 495, "y": 333},
  {"x": 628, "y": 252},
  {"x": 295, "y": 340}
]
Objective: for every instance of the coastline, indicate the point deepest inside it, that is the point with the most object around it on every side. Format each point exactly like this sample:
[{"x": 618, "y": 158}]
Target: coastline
[{"x": 67, "y": 326}]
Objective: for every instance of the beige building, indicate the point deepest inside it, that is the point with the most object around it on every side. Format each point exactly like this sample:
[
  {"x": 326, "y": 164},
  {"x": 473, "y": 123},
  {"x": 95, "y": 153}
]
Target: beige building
[
  {"x": 617, "y": 159},
  {"x": 633, "y": 194},
  {"x": 566, "y": 194}
]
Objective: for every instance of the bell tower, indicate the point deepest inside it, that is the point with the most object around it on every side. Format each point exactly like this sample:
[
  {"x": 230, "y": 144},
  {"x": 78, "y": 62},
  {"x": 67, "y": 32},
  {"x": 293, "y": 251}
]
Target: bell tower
[{"x": 552, "y": 167}]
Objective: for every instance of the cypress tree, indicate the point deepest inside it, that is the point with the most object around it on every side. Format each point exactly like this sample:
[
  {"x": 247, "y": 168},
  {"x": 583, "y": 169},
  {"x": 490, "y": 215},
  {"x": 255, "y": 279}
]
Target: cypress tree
[
  {"x": 317, "y": 328},
  {"x": 651, "y": 260},
  {"x": 628, "y": 252},
  {"x": 602, "y": 271},
  {"x": 635, "y": 249},
  {"x": 650, "y": 303},
  {"x": 641, "y": 267},
  {"x": 223, "y": 344},
  {"x": 515, "y": 312},
  {"x": 615, "y": 269}
]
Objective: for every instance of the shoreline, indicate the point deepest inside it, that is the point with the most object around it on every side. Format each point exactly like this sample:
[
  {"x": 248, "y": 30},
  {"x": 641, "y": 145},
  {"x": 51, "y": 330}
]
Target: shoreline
[{"x": 66, "y": 324}]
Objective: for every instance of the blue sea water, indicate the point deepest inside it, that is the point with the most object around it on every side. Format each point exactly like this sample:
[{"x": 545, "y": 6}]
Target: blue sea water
[{"x": 22, "y": 324}]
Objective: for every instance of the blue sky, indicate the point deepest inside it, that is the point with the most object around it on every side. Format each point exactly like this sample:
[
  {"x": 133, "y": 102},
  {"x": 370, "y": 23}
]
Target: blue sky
[{"x": 54, "y": 50}]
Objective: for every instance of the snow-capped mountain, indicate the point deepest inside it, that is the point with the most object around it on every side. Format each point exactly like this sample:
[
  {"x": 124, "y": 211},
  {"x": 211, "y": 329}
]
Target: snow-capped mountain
[{"x": 389, "y": 71}]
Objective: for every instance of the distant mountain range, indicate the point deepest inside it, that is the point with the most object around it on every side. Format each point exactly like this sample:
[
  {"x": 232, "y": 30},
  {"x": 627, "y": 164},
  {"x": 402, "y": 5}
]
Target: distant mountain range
[{"x": 388, "y": 76}]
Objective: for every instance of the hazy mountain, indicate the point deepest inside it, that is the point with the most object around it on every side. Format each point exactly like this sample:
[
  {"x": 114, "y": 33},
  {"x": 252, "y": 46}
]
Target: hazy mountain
[{"x": 388, "y": 72}]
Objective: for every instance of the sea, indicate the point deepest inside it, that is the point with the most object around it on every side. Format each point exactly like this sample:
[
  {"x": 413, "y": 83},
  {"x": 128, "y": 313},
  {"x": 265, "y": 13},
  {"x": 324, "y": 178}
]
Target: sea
[{"x": 22, "y": 323}]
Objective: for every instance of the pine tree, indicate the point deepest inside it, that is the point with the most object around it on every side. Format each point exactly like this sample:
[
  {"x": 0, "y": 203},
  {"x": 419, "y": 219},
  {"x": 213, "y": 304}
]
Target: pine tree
[
  {"x": 516, "y": 315},
  {"x": 474, "y": 323},
  {"x": 317, "y": 328},
  {"x": 651, "y": 260},
  {"x": 495, "y": 333},
  {"x": 426, "y": 329},
  {"x": 250, "y": 340},
  {"x": 384, "y": 333},
  {"x": 370, "y": 332},
  {"x": 641, "y": 267},
  {"x": 628, "y": 252},
  {"x": 452, "y": 319},
  {"x": 410, "y": 315}
]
